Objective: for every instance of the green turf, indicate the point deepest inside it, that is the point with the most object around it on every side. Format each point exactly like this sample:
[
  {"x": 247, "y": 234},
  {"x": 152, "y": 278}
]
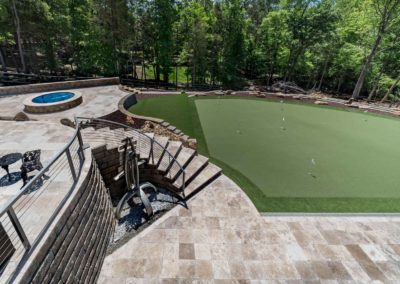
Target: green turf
[
  {"x": 174, "y": 109},
  {"x": 294, "y": 157}
]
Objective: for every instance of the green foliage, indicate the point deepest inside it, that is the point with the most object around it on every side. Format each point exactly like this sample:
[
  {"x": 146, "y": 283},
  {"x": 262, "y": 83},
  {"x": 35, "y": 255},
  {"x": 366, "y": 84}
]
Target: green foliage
[{"x": 315, "y": 43}]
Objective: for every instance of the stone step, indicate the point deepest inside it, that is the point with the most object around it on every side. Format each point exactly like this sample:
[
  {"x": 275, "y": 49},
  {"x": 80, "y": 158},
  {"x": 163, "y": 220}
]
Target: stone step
[
  {"x": 195, "y": 166},
  {"x": 173, "y": 148},
  {"x": 165, "y": 124},
  {"x": 177, "y": 131},
  {"x": 144, "y": 145},
  {"x": 183, "y": 159},
  {"x": 158, "y": 149},
  {"x": 208, "y": 174},
  {"x": 132, "y": 134},
  {"x": 97, "y": 137},
  {"x": 171, "y": 128}
]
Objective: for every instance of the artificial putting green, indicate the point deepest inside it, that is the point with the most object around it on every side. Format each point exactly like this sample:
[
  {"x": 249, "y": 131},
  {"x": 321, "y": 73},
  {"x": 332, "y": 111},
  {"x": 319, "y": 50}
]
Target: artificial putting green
[{"x": 291, "y": 157}]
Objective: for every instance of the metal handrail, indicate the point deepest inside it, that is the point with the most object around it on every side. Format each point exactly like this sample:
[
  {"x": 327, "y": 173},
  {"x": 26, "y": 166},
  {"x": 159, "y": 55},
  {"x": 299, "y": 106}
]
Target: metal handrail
[
  {"x": 153, "y": 141},
  {"x": 40, "y": 174},
  {"x": 9, "y": 209}
]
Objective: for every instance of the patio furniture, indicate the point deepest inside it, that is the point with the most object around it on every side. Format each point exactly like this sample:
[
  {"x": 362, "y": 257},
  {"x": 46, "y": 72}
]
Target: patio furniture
[
  {"x": 30, "y": 163},
  {"x": 7, "y": 160},
  {"x": 7, "y": 248}
]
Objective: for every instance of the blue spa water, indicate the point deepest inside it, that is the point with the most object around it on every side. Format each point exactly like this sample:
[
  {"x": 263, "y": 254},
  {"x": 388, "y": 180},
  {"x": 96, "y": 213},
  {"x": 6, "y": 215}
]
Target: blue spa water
[{"x": 53, "y": 97}]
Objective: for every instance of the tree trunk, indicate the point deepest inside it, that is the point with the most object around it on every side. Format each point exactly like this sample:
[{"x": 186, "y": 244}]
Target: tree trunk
[
  {"x": 373, "y": 91},
  {"x": 323, "y": 74},
  {"x": 339, "y": 86},
  {"x": 390, "y": 89},
  {"x": 364, "y": 70},
  {"x": 288, "y": 65},
  {"x": 2, "y": 61},
  {"x": 18, "y": 30},
  {"x": 156, "y": 70},
  {"x": 272, "y": 68}
]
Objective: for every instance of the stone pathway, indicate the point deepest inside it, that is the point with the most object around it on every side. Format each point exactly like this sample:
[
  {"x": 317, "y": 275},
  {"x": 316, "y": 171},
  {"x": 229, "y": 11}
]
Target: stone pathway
[{"x": 222, "y": 238}]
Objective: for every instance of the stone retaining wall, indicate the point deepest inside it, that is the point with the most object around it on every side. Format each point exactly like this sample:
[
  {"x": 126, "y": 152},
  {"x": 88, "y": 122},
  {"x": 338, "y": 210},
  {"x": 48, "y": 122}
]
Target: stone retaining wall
[
  {"x": 74, "y": 248},
  {"x": 164, "y": 129},
  {"x": 45, "y": 87},
  {"x": 126, "y": 102},
  {"x": 110, "y": 163}
]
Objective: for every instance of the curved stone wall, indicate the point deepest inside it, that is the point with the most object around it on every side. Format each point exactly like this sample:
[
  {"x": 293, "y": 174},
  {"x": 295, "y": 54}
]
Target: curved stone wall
[
  {"x": 32, "y": 107},
  {"x": 73, "y": 249},
  {"x": 129, "y": 100}
]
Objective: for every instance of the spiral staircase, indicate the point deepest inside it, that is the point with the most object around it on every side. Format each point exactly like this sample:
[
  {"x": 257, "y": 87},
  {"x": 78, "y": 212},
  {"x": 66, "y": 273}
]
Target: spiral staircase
[{"x": 168, "y": 163}]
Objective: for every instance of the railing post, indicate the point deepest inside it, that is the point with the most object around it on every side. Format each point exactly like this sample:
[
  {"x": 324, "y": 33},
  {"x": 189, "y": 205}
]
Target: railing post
[
  {"x": 81, "y": 152},
  {"x": 151, "y": 151},
  {"x": 18, "y": 228},
  {"x": 71, "y": 164}
]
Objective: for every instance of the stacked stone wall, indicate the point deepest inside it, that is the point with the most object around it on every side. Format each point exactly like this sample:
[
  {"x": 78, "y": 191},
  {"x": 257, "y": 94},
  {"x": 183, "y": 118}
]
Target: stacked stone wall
[{"x": 74, "y": 250}]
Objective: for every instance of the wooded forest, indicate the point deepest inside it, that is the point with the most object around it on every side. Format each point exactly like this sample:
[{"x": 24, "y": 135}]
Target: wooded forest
[{"x": 337, "y": 46}]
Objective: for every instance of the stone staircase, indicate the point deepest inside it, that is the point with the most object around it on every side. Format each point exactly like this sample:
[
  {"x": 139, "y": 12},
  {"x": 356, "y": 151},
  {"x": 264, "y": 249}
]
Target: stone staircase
[{"x": 168, "y": 163}]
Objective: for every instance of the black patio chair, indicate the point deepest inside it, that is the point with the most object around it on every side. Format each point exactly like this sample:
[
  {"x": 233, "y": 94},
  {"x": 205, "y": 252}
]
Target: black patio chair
[{"x": 30, "y": 163}]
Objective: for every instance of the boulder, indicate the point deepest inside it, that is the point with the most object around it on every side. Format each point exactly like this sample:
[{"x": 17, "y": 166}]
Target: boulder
[
  {"x": 192, "y": 143},
  {"x": 320, "y": 103},
  {"x": 67, "y": 122},
  {"x": 21, "y": 116}
]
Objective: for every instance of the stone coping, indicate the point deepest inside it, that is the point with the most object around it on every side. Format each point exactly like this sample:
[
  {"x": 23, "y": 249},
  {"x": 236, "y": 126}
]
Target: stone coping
[
  {"x": 33, "y": 107},
  {"x": 129, "y": 100},
  {"x": 46, "y": 87}
]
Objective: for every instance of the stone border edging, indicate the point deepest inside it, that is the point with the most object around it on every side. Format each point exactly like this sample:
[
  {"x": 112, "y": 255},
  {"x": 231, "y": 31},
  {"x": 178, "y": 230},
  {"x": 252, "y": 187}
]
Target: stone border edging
[
  {"x": 129, "y": 100},
  {"x": 32, "y": 107},
  {"x": 54, "y": 86}
]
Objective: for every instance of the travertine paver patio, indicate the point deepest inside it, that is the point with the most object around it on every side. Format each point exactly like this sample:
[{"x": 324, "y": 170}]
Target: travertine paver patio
[
  {"x": 19, "y": 137},
  {"x": 222, "y": 238},
  {"x": 34, "y": 208},
  {"x": 97, "y": 102}
]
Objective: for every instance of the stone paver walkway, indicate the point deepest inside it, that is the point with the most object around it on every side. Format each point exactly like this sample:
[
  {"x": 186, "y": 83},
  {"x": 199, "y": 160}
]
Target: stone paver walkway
[
  {"x": 97, "y": 101},
  {"x": 222, "y": 238},
  {"x": 19, "y": 137}
]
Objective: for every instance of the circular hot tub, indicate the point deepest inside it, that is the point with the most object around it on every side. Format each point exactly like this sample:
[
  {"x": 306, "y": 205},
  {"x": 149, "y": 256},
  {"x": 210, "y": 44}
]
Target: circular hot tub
[{"x": 51, "y": 102}]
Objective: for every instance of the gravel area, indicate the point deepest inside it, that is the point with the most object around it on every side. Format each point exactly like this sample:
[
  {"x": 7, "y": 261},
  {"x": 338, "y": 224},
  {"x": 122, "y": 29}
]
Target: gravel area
[{"x": 134, "y": 218}]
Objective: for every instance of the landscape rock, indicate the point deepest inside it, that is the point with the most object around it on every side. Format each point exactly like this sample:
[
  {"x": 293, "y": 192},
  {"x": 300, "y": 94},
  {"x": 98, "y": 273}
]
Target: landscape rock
[
  {"x": 192, "y": 143},
  {"x": 320, "y": 103},
  {"x": 67, "y": 122},
  {"x": 21, "y": 116}
]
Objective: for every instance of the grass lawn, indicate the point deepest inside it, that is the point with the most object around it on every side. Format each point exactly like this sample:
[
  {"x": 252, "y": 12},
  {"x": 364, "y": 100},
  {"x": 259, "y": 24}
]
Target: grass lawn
[
  {"x": 182, "y": 79},
  {"x": 291, "y": 157}
]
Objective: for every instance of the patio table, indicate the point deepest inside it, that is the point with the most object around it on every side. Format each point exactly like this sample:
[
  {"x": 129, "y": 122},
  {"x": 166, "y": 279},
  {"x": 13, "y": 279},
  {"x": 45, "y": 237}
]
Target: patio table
[{"x": 7, "y": 160}]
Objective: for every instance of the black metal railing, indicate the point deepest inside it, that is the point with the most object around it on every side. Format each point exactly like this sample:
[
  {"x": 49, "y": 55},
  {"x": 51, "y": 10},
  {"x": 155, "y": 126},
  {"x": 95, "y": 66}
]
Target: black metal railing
[
  {"x": 26, "y": 218},
  {"x": 100, "y": 131}
]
